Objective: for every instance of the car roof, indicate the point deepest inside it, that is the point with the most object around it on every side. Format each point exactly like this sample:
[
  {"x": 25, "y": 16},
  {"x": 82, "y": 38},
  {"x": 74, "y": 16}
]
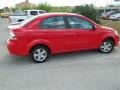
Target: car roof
[
  {"x": 47, "y": 15},
  {"x": 34, "y": 10},
  {"x": 57, "y": 14}
]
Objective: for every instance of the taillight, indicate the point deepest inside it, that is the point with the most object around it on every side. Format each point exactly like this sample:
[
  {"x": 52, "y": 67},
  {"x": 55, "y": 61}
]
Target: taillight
[{"x": 12, "y": 35}]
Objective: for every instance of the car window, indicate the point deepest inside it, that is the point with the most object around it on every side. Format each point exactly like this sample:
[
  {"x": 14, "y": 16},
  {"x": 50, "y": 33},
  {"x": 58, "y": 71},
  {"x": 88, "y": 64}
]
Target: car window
[
  {"x": 40, "y": 12},
  {"x": 53, "y": 23},
  {"x": 33, "y": 13},
  {"x": 79, "y": 23}
]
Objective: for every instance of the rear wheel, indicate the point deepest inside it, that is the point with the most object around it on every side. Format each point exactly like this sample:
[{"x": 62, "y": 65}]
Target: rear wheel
[
  {"x": 39, "y": 54},
  {"x": 107, "y": 46}
]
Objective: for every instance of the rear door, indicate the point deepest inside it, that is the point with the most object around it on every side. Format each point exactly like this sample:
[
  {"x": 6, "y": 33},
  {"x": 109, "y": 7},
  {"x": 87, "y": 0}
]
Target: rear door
[{"x": 58, "y": 34}]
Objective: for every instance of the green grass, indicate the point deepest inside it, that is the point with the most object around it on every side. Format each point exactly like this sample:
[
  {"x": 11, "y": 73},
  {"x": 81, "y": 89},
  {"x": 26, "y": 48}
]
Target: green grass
[{"x": 112, "y": 24}]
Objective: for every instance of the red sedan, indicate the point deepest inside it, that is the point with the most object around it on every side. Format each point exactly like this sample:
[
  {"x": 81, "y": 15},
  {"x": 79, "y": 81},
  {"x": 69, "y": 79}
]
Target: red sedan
[{"x": 52, "y": 33}]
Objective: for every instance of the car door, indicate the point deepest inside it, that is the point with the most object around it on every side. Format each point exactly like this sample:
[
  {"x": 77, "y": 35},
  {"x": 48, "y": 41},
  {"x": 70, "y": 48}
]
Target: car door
[
  {"x": 58, "y": 34},
  {"x": 87, "y": 36}
]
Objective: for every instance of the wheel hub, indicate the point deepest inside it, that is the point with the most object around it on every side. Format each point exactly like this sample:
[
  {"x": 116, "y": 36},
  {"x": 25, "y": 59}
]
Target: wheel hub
[
  {"x": 106, "y": 47},
  {"x": 40, "y": 54}
]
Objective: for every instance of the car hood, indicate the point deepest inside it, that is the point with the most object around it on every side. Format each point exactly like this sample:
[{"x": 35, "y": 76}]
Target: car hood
[{"x": 107, "y": 28}]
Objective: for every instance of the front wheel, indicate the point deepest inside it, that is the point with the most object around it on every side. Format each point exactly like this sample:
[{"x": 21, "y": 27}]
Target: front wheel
[
  {"x": 107, "y": 46},
  {"x": 39, "y": 54}
]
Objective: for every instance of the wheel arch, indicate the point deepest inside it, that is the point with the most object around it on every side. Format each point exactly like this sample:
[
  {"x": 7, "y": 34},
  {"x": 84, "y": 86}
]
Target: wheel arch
[
  {"x": 36, "y": 45},
  {"x": 110, "y": 38}
]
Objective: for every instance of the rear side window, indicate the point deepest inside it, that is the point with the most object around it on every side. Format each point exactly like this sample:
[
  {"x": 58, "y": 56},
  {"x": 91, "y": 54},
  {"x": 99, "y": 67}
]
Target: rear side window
[
  {"x": 79, "y": 23},
  {"x": 53, "y": 23},
  {"x": 33, "y": 13}
]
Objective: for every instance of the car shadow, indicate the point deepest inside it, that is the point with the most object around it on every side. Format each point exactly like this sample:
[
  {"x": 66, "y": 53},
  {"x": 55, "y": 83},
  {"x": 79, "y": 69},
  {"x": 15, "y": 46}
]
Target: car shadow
[{"x": 58, "y": 58}]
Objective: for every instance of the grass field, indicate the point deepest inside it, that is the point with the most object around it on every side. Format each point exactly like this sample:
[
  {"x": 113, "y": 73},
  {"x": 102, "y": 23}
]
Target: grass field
[{"x": 113, "y": 24}]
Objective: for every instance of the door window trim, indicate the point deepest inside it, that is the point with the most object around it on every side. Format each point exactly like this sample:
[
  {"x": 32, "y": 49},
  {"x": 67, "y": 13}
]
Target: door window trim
[
  {"x": 40, "y": 27},
  {"x": 69, "y": 26}
]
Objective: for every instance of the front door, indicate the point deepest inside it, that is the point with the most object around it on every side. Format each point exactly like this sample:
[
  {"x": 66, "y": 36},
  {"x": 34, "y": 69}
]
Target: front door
[{"x": 87, "y": 36}]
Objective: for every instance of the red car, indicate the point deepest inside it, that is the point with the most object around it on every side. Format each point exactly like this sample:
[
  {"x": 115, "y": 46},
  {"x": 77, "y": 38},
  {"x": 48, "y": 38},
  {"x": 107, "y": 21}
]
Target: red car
[{"x": 52, "y": 33}]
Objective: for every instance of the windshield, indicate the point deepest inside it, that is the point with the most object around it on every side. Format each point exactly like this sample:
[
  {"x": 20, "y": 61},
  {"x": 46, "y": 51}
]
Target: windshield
[{"x": 18, "y": 13}]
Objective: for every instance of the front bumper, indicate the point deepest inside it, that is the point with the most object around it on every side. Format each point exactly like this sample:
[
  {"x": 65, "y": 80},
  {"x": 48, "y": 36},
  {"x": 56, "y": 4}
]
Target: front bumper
[{"x": 117, "y": 38}]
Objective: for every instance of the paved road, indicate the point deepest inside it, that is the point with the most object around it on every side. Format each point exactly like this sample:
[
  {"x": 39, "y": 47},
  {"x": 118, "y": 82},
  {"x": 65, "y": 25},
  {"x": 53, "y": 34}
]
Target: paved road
[{"x": 88, "y": 70}]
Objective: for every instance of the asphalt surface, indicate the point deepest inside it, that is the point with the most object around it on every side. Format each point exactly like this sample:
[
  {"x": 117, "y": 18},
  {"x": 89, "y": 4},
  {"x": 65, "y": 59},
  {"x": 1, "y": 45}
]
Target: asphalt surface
[{"x": 88, "y": 70}]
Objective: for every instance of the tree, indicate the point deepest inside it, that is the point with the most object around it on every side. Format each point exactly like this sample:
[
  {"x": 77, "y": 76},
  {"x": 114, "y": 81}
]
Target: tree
[
  {"x": 6, "y": 9},
  {"x": 88, "y": 11},
  {"x": 1, "y": 10},
  {"x": 13, "y": 9},
  {"x": 43, "y": 6},
  {"x": 61, "y": 9}
]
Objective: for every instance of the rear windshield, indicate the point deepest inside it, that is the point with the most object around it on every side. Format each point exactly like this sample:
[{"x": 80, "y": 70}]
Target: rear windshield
[{"x": 18, "y": 13}]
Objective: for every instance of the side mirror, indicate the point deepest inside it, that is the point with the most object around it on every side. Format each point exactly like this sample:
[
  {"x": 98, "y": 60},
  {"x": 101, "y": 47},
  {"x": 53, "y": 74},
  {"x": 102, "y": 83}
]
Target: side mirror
[{"x": 94, "y": 27}]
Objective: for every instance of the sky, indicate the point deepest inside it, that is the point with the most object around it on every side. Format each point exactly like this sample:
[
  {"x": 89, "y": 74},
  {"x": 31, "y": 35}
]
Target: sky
[{"x": 11, "y": 3}]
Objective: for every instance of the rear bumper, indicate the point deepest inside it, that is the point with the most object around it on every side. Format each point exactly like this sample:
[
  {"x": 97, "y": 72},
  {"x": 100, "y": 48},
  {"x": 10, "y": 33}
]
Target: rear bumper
[{"x": 15, "y": 49}]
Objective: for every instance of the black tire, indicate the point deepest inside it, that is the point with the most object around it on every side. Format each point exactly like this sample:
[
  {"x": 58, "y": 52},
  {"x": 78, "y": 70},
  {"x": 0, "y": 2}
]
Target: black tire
[
  {"x": 108, "y": 48},
  {"x": 36, "y": 58}
]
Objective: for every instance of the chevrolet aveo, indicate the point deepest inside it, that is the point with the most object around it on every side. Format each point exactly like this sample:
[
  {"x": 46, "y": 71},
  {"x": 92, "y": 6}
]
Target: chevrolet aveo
[{"x": 51, "y": 33}]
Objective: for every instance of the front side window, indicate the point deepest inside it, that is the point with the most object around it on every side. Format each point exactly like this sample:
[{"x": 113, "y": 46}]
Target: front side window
[
  {"x": 33, "y": 13},
  {"x": 53, "y": 23},
  {"x": 79, "y": 23}
]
